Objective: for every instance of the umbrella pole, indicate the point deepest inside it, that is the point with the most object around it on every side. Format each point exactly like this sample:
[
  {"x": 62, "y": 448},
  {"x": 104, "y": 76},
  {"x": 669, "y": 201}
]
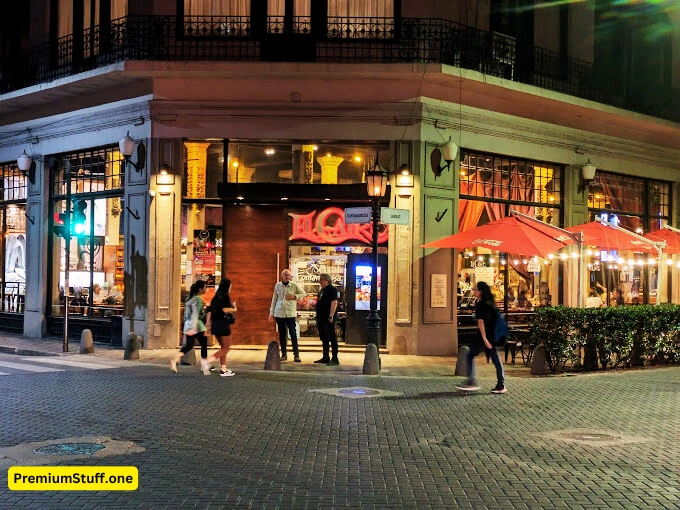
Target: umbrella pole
[
  {"x": 579, "y": 297},
  {"x": 661, "y": 278},
  {"x": 506, "y": 283}
]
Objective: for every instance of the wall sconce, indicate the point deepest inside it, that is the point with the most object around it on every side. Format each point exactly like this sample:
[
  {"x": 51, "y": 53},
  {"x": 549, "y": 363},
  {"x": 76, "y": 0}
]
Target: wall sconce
[
  {"x": 404, "y": 176},
  {"x": 587, "y": 175},
  {"x": 127, "y": 147},
  {"x": 165, "y": 175},
  {"x": 27, "y": 166},
  {"x": 449, "y": 151}
]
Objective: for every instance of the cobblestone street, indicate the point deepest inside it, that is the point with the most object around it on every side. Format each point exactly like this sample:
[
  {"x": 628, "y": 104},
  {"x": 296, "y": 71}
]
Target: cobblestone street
[{"x": 264, "y": 440}]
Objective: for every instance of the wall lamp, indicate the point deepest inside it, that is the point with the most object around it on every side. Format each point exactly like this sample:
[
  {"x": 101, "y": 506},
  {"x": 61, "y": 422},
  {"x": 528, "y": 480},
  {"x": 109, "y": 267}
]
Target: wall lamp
[
  {"x": 587, "y": 175},
  {"x": 449, "y": 151},
  {"x": 127, "y": 147},
  {"x": 165, "y": 175},
  {"x": 27, "y": 166}
]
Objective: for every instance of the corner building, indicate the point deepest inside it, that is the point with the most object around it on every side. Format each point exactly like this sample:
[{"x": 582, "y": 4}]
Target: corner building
[{"x": 258, "y": 120}]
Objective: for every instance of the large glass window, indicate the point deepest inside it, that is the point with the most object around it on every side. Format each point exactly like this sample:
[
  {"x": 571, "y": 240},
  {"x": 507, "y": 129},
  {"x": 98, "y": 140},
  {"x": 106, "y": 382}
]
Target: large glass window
[
  {"x": 303, "y": 162},
  {"x": 490, "y": 186},
  {"x": 276, "y": 12},
  {"x": 13, "y": 242},
  {"x": 96, "y": 249},
  {"x": 356, "y": 19},
  {"x": 641, "y": 205}
]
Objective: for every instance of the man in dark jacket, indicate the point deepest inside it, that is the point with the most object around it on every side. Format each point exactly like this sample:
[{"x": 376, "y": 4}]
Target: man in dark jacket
[{"x": 326, "y": 305}]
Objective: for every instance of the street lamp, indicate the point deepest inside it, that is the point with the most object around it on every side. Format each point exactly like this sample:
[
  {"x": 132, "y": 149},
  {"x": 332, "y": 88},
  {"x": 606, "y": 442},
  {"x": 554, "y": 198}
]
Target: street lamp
[{"x": 376, "y": 183}]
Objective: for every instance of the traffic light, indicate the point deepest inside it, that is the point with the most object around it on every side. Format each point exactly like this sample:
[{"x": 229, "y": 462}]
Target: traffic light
[
  {"x": 79, "y": 225},
  {"x": 59, "y": 224}
]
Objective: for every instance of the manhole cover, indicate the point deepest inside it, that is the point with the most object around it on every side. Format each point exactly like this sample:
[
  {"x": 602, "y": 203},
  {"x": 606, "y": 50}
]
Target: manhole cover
[
  {"x": 591, "y": 437},
  {"x": 70, "y": 449},
  {"x": 358, "y": 391}
]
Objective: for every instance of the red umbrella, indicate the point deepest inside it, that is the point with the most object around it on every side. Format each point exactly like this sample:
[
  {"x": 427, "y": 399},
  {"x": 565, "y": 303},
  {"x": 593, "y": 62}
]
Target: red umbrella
[
  {"x": 508, "y": 235},
  {"x": 610, "y": 238},
  {"x": 671, "y": 237}
]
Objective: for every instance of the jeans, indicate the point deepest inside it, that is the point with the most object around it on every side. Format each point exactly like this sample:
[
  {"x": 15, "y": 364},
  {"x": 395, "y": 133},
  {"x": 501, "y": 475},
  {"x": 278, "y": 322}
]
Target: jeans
[
  {"x": 475, "y": 349},
  {"x": 189, "y": 344},
  {"x": 327, "y": 336},
  {"x": 287, "y": 324}
]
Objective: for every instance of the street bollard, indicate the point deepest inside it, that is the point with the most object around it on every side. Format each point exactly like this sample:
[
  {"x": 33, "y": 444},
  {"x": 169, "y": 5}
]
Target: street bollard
[
  {"x": 371, "y": 360},
  {"x": 273, "y": 359},
  {"x": 539, "y": 363},
  {"x": 461, "y": 362},
  {"x": 132, "y": 347},
  {"x": 86, "y": 342}
]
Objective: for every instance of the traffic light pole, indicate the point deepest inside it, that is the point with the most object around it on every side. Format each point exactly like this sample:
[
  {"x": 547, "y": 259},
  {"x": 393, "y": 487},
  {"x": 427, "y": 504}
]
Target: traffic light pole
[{"x": 67, "y": 257}]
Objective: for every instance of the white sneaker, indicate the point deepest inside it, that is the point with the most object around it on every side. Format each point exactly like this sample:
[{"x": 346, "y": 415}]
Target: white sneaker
[
  {"x": 205, "y": 367},
  {"x": 228, "y": 373},
  {"x": 173, "y": 365}
]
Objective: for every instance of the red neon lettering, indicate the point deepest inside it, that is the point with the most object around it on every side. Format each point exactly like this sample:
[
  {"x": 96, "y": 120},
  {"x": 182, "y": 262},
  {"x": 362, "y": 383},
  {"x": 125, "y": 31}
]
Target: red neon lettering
[{"x": 329, "y": 227}]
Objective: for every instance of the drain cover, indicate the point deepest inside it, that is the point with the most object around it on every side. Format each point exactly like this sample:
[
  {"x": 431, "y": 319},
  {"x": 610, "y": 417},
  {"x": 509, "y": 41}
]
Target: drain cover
[
  {"x": 70, "y": 449},
  {"x": 591, "y": 437},
  {"x": 358, "y": 392}
]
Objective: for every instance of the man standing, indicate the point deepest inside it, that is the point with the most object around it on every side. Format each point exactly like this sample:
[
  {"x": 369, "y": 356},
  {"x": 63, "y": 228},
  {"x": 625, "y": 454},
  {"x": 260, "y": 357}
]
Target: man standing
[
  {"x": 284, "y": 310},
  {"x": 326, "y": 305}
]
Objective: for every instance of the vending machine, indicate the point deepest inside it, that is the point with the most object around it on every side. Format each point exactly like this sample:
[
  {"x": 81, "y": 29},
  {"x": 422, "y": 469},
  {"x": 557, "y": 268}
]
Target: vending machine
[{"x": 358, "y": 296}]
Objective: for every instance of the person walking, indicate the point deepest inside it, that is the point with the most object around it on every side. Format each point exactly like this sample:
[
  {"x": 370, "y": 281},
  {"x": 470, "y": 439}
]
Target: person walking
[
  {"x": 326, "y": 305},
  {"x": 220, "y": 320},
  {"x": 194, "y": 326},
  {"x": 486, "y": 314},
  {"x": 284, "y": 310}
]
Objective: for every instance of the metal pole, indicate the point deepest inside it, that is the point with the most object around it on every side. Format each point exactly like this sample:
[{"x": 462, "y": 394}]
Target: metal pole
[
  {"x": 67, "y": 256},
  {"x": 373, "y": 320},
  {"x": 579, "y": 295}
]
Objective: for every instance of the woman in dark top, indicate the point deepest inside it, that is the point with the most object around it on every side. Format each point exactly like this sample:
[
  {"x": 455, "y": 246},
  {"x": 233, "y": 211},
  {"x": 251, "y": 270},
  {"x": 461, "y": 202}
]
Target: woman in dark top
[
  {"x": 486, "y": 314},
  {"x": 220, "y": 306}
]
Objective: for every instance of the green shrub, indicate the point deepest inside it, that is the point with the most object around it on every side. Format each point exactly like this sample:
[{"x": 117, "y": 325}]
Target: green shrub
[{"x": 609, "y": 337}]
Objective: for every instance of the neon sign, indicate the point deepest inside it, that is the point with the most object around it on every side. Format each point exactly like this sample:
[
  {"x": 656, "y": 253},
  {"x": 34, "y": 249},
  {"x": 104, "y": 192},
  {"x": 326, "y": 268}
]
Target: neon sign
[{"x": 329, "y": 227}]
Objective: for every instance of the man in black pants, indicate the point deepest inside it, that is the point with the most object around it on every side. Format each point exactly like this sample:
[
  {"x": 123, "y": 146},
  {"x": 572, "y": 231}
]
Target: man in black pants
[{"x": 326, "y": 305}]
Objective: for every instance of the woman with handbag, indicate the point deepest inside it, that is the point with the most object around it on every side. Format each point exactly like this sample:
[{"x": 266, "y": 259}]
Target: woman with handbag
[
  {"x": 221, "y": 318},
  {"x": 194, "y": 326}
]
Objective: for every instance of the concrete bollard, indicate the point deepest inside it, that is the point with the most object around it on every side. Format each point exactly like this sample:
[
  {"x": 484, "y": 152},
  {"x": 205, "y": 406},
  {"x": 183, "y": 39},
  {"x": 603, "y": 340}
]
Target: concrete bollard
[
  {"x": 273, "y": 359},
  {"x": 86, "y": 343},
  {"x": 371, "y": 360},
  {"x": 132, "y": 347},
  {"x": 539, "y": 363},
  {"x": 461, "y": 362}
]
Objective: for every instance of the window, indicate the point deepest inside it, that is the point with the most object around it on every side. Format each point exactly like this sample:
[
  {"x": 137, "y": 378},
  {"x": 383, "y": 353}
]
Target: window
[
  {"x": 303, "y": 162},
  {"x": 217, "y": 18},
  {"x": 13, "y": 243},
  {"x": 96, "y": 252},
  {"x": 65, "y": 18},
  {"x": 217, "y": 8},
  {"x": 276, "y": 12},
  {"x": 358, "y": 19}
]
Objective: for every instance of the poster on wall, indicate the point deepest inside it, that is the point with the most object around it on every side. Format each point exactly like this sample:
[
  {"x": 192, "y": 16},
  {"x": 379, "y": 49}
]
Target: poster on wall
[
  {"x": 15, "y": 258},
  {"x": 438, "y": 294},
  {"x": 205, "y": 255}
]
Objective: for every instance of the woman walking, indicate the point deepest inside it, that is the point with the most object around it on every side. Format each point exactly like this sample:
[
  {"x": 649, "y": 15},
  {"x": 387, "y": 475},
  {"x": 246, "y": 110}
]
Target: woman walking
[
  {"x": 486, "y": 314},
  {"x": 194, "y": 326},
  {"x": 221, "y": 308}
]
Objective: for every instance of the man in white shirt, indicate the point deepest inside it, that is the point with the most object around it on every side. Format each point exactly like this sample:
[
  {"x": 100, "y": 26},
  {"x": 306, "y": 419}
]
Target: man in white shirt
[
  {"x": 593, "y": 300},
  {"x": 284, "y": 310}
]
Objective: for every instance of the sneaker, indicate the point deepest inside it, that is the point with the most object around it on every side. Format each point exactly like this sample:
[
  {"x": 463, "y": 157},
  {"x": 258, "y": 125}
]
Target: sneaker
[
  {"x": 284, "y": 357},
  {"x": 205, "y": 368},
  {"x": 228, "y": 373},
  {"x": 499, "y": 389},
  {"x": 297, "y": 359},
  {"x": 334, "y": 362},
  {"x": 323, "y": 360},
  {"x": 173, "y": 365}
]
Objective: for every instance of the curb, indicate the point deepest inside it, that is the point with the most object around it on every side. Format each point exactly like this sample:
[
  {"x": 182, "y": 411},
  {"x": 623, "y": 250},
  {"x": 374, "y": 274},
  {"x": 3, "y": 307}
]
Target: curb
[{"x": 25, "y": 352}]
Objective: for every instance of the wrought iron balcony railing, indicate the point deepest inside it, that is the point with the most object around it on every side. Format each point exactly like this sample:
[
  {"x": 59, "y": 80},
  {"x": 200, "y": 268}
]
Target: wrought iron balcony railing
[{"x": 341, "y": 39}]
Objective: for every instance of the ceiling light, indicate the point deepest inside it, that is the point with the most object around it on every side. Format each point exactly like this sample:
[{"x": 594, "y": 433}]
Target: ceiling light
[
  {"x": 235, "y": 164},
  {"x": 270, "y": 151},
  {"x": 284, "y": 198},
  {"x": 669, "y": 262},
  {"x": 357, "y": 159},
  {"x": 316, "y": 148},
  {"x": 240, "y": 197}
]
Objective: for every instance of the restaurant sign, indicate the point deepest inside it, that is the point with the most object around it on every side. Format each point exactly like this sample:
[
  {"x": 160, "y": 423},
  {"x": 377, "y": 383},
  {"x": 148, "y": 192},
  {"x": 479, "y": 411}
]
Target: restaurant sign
[{"x": 329, "y": 227}]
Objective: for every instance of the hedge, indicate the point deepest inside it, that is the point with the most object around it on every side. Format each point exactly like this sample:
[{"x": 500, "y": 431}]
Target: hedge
[{"x": 612, "y": 337}]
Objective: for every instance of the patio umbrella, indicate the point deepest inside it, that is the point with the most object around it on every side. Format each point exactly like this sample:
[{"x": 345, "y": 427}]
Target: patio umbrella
[
  {"x": 611, "y": 238},
  {"x": 671, "y": 237},
  {"x": 508, "y": 235}
]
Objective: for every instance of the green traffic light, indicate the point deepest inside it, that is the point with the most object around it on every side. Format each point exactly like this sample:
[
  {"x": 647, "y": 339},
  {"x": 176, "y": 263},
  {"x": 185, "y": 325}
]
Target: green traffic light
[{"x": 79, "y": 228}]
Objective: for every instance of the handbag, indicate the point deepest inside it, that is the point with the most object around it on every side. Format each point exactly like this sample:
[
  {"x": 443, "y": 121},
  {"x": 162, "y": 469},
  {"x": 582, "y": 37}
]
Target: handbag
[{"x": 229, "y": 318}]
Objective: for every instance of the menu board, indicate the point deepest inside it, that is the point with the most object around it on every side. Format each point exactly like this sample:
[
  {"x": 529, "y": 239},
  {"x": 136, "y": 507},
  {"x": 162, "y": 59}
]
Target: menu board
[
  {"x": 362, "y": 296},
  {"x": 205, "y": 255}
]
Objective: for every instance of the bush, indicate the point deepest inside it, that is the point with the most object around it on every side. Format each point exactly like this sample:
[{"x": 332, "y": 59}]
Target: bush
[{"x": 610, "y": 337}]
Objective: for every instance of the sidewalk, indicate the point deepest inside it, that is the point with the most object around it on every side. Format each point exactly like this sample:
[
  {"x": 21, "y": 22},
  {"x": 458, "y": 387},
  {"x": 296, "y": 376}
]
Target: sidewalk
[{"x": 351, "y": 363}]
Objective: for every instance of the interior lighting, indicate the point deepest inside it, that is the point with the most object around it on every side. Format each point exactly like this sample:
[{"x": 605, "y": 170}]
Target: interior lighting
[
  {"x": 621, "y": 261},
  {"x": 270, "y": 151},
  {"x": 502, "y": 262},
  {"x": 563, "y": 256},
  {"x": 574, "y": 255},
  {"x": 357, "y": 159},
  {"x": 639, "y": 230},
  {"x": 492, "y": 260},
  {"x": 651, "y": 262},
  {"x": 284, "y": 198},
  {"x": 631, "y": 262},
  {"x": 546, "y": 262},
  {"x": 551, "y": 256},
  {"x": 641, "y": 262},
  {"x": 525, "y": 262},
  {"x": 480, "y": 258},
  {"x": 516, "y": 262},
  {"x": 589, "y": 252},
  {"x": 669, "y": 262},
  {"x": 315, "y": 148},
  {"x": 235, "y": 164},
  {"x": 240, "y": 197}
]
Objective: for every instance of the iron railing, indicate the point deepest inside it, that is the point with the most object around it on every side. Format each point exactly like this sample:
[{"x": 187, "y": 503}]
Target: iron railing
[
  {"x": 342, "y": 39},
  {"x": 12, "y": 297}
]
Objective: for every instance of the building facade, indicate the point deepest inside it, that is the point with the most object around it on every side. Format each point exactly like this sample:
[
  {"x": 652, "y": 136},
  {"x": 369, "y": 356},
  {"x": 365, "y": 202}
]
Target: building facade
[{"x": 257, "y": 122}]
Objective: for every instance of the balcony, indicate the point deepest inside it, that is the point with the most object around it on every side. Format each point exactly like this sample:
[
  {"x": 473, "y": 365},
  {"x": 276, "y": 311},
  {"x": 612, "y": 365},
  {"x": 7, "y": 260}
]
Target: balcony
[{"x": 350, "y": 40}]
